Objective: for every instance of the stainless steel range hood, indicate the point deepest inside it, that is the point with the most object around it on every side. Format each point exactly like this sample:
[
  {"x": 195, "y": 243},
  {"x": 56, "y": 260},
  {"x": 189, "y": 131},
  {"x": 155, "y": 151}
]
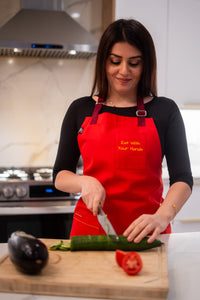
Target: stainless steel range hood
[{"x": 46, "y": 34}]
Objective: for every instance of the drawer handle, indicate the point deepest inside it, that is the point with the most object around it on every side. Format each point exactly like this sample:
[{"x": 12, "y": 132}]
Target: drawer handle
[{"x": 190, "y": 220}]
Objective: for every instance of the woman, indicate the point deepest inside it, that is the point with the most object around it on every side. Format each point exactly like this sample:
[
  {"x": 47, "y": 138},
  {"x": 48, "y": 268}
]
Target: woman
[{"x": 123, "y": 131}]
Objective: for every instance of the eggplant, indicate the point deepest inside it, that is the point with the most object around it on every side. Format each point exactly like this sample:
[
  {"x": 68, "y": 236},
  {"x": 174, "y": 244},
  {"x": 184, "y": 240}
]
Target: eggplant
[{"x": 28, "y": 253}]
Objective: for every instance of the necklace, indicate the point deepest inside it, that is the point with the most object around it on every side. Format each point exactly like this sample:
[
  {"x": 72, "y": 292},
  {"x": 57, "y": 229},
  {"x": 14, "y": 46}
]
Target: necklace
[{"x": 109, "y": 103}]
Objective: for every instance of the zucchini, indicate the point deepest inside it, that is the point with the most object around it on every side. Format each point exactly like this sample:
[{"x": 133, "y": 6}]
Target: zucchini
[
  {"x": 104, "y": 243},
  {"x": 109, "y": 243}
]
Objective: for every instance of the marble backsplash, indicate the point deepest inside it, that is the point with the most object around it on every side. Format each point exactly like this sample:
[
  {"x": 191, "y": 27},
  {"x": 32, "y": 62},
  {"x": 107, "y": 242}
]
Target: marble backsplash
[{"x": 34, "y": 97}]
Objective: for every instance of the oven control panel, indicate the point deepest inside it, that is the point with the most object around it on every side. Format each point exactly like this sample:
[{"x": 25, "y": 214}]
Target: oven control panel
[{"x": 31, "y": 191}]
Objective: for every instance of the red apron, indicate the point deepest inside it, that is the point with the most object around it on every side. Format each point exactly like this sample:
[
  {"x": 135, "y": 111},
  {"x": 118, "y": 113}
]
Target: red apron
[{"x": 124, "y": 154}]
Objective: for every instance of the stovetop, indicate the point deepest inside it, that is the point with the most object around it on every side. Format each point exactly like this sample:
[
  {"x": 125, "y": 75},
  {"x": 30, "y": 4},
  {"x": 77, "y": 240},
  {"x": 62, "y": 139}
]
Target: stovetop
[
  {"x": 25, "y": 173},
  {"x": 18, "y": 185}
]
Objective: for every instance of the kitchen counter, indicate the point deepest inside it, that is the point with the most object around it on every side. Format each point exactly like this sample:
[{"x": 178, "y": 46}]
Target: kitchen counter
[
  {"x": 183, "y": 252},
  {"x": 45, "y": 207}
]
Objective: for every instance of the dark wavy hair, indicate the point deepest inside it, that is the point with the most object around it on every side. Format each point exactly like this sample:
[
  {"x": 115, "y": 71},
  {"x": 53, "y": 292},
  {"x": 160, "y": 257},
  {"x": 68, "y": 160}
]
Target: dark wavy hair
[{"x": 134, "y": 33}]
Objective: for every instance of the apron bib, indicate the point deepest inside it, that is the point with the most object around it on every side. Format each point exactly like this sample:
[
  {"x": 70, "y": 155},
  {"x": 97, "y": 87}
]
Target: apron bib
[{"x": 124, "y": 154}]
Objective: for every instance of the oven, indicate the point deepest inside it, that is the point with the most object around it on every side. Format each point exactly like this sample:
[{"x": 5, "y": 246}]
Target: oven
[{"x": 30, "y": 202}]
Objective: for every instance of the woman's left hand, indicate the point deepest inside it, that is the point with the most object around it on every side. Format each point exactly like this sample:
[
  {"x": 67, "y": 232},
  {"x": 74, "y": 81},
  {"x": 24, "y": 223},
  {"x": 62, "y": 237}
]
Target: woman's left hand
[{"x": 145, "y": 225}]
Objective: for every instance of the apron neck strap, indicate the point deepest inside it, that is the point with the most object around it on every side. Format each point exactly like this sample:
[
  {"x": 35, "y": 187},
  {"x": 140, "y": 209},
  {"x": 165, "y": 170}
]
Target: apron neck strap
[
  {"x": 96, "y": 110},
  {"x": 141, "y": 113}
]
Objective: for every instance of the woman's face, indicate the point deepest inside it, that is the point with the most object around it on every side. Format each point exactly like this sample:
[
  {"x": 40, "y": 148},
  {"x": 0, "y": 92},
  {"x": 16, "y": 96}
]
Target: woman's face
[{"x": 124, "y": 69}]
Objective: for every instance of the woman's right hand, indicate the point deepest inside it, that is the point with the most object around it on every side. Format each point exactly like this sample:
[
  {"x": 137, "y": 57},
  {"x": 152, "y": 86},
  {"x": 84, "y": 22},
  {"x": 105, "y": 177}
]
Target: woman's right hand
[{"x": 92, "y": 193}]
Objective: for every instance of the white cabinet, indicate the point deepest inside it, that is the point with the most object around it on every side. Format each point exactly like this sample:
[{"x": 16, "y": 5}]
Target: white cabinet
[
  {"x": 183, "y": 68},
  {"x": 174, "y": 26}
]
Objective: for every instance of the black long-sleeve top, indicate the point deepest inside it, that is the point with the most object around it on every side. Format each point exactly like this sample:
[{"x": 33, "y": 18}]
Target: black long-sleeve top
[{"x": 167, "y": 119}]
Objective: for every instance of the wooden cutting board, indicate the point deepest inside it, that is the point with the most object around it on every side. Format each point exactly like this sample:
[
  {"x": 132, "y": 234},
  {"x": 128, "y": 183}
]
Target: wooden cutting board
[{"x": 90, "y": 274}]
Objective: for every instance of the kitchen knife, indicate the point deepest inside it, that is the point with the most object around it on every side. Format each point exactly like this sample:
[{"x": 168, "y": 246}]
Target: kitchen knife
[{"x": 105, "y": 223}]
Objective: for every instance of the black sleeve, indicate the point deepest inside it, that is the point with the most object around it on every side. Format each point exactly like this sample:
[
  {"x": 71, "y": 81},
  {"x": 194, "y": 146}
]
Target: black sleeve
[
  {"x": 68, "y": 150},
  {"x": 171, "y": 131},
  {"x": 176, "y": 149}
]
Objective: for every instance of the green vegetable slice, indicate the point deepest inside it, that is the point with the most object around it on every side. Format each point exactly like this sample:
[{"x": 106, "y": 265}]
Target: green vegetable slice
[
  {"x": 56, "y": 245},
  {"x": 65, "y": 246}
]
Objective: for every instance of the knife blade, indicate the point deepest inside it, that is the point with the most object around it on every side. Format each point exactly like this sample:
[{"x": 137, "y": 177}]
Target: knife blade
[{"x": 105, "y": 223}]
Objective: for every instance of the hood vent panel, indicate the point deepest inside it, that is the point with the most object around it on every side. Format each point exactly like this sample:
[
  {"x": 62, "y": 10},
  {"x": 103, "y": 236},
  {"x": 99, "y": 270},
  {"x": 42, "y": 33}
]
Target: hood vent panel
[
  {"x": 37, "y": 53},
  {"x": 46, "y": 34}
]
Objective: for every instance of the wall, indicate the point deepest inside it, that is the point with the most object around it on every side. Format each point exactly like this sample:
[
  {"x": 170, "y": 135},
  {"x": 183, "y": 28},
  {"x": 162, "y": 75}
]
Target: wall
[{"x": 35, "y": 94}]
